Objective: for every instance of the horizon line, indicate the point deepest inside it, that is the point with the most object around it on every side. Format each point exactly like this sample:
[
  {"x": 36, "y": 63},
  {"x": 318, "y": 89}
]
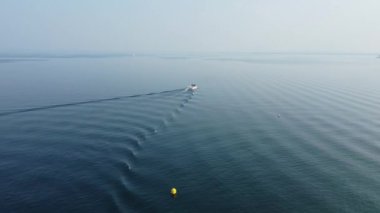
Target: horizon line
[{"x": 95, "y": 54}]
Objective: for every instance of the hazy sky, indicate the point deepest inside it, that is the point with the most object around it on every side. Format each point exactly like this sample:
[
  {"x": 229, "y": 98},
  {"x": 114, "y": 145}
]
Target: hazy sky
[{"x": 189, "y": 25}]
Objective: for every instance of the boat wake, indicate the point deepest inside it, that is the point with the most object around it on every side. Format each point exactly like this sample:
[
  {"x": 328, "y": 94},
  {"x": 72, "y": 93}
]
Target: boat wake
[
  {"x": 98, "y": 144},
  {"x": 84, "y": 102}
]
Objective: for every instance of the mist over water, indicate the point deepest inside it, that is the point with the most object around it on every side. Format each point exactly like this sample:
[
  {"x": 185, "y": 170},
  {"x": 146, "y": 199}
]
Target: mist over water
[{"x": 264, "y": 133}]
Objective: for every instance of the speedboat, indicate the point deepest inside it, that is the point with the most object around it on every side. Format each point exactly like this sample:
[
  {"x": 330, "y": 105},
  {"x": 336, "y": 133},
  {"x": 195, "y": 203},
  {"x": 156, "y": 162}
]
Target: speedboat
[{"x": 192, "y": 87}]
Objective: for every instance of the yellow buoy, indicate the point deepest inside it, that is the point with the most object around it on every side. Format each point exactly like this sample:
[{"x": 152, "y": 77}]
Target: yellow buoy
[{"x": 173, "y": 191}]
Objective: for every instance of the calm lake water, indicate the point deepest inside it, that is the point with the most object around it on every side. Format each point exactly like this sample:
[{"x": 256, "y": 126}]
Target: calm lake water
[{"x": 264, "y": 133}]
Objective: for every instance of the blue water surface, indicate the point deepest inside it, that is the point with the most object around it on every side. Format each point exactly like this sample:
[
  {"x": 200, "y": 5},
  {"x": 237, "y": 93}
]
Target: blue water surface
[{"x": 263, "y": 133}]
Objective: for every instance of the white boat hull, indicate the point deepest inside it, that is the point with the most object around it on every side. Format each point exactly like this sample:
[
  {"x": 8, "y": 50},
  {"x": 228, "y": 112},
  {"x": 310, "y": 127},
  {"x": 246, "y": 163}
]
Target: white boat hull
[{"x": 191, "y": 88}]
